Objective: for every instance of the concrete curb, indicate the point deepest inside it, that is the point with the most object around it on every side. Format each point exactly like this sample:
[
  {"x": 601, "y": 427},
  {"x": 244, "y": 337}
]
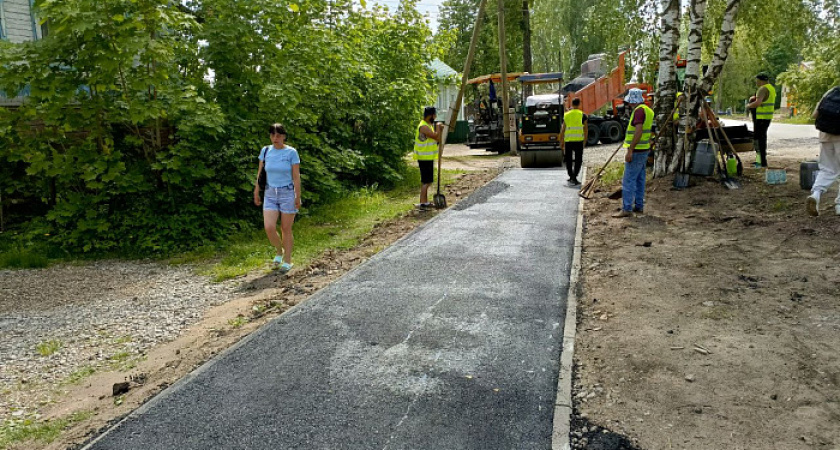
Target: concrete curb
[{"x": 563, "y": 403}]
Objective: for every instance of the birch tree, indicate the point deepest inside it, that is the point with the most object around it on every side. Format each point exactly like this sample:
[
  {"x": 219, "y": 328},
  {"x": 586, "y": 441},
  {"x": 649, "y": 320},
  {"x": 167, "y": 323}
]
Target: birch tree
[
  {"x": 668, "y": 159},
  {"x": 667, "y": 82}
]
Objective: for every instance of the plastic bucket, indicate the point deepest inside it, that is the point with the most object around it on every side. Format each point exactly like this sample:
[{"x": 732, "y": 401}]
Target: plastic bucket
[
  {"x": 808, "y": 174},
  {"x": 680, "y": 180}
]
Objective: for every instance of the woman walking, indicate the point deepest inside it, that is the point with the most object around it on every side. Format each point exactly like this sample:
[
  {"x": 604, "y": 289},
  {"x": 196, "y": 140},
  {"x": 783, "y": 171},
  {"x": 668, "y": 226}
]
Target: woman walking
[{"x": 282, "y": 194}]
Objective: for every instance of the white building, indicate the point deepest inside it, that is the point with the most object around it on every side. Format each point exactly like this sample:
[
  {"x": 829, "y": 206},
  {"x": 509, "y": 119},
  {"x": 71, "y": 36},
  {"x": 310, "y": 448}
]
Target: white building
[
  {"x": 448, "y": 82},
  {"x": 18, "y": 24}
]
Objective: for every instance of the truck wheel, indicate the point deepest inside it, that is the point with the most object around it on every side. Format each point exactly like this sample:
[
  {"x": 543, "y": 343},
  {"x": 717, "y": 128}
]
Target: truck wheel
[
  {"x": 610, "y": 132},
  {"x": 594, "y": 134}
]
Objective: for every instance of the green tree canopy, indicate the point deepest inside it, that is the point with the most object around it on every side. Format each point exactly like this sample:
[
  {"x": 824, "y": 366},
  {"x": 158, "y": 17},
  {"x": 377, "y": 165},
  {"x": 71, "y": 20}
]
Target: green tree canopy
[{"x": 145, "y": 117}]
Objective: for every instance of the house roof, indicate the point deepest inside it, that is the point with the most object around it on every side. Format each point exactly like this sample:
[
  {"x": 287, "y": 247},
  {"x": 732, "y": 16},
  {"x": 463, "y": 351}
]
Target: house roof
[{"x": 440, "y": 70}]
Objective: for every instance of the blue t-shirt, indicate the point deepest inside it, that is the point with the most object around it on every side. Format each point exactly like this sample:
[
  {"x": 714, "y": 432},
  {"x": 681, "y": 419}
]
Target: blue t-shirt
[{"x": 278, "y": 165}]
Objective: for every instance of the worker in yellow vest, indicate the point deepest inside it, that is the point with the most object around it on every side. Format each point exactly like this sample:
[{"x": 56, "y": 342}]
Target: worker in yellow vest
[
  {"x": 677, "y": 102},
  {"x": 426, "y": 142},
  {"x": 764, "y": 103},
  {"x": 573, "y": 136},
  {"x": 637, "y": 143}
]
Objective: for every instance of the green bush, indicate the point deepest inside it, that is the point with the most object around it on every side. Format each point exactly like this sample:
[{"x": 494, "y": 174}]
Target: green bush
[{"x": 126, "y": 145}]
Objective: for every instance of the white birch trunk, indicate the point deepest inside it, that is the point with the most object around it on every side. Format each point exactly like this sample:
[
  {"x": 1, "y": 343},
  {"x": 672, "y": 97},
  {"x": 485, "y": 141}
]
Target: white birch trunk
[
  {"x": 690, "y": 115},
  {"x": 667, "y": 82},
  {"x": 695, "y": 44}
]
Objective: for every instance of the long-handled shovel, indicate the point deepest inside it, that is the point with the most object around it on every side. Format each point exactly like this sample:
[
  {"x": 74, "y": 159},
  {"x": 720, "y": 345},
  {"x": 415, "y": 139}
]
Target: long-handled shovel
[
  {"x": 719, "y": 129},
  {"x": 439, "y": 199},
  {"x": 727, "y": 182},
  {"x": 682, "y": 178}
]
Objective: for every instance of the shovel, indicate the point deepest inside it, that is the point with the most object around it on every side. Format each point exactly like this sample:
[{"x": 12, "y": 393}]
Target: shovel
[
  {"x": 681, "y": 178},
  {"x": 719, "y": 129},
  {"x": 728, "y": 183},
  {"x": 439, "y": 199}
]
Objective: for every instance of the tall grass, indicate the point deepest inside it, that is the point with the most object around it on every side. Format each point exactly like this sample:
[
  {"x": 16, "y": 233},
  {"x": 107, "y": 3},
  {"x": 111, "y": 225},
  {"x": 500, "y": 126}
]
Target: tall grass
[{"x": 338, "y": 224}]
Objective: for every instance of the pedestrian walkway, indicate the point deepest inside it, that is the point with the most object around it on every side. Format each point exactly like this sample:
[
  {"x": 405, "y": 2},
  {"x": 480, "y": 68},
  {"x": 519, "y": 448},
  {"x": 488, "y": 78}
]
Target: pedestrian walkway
[{"x": 449, "y": 339}]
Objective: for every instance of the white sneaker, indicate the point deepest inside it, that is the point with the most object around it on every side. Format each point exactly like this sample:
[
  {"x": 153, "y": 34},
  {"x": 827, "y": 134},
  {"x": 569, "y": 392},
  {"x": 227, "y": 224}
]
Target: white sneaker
[{"x": 813, "y": 206}]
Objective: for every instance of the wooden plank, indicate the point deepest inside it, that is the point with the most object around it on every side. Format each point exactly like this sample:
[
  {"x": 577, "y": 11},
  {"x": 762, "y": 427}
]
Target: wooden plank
[{"x": 16, "y": 6}]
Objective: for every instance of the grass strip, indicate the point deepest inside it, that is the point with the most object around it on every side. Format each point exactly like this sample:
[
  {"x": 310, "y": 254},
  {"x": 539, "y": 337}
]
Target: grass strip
[
  {"x": 339, "y": 224},
  {"x": 16, "y": 431}
]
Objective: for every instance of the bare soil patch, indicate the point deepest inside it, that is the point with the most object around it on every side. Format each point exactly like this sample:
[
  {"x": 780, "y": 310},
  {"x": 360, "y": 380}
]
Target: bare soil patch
[
  {"x": 462, "y": 157},
  {"x": 713, "y": 321},
  {"x": 257, "y": 299}
]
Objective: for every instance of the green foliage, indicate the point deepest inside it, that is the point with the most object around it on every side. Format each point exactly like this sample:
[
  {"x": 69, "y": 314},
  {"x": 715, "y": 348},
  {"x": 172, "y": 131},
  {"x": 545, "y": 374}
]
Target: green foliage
[
  {"x": 574, "y": 30},
  {"x": 48, "y": 348},
  {"x": 238, "y": 321},
  {"x": 457, "y": 18},
  {"x": 80, "y": 374},
  {"x": 613, "y": 173},
  {"x": 808, "y": 82},
  {"x": 144, "y": 120},
  {"x": 339, "y": 223},
  {"x": 14, "y": 431},
  {"x": 770, "y": 36},
  {"x": 23, "y": 259}
]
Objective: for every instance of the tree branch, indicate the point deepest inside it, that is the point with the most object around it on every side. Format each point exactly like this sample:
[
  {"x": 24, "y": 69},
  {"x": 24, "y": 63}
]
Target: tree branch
[{"x": 727, "y": 33}]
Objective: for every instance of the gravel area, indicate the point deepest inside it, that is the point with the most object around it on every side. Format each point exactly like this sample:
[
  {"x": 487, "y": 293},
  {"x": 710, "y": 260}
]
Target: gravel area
[{"x": 64, "y": 322}]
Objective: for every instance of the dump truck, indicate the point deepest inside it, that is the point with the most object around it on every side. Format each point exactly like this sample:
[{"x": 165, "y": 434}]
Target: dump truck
[
  {"x": 541, "y": 118},
  {"x": 598, "y": 89}
]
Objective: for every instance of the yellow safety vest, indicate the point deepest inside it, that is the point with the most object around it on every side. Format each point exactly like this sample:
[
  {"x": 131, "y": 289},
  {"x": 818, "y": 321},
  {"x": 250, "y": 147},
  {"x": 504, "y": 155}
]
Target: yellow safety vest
[
  {"x": 644, "y": 142},
  {"x": 677, "y": 112},
  {"x": 765, "y": 111},
  {"x": 574, "y": 125},
  {"x": 425, "y": 148}
]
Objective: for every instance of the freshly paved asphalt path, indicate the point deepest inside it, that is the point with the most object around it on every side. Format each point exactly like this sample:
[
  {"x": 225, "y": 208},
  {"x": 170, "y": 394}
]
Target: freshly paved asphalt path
[{"x": 449, "y": 339}]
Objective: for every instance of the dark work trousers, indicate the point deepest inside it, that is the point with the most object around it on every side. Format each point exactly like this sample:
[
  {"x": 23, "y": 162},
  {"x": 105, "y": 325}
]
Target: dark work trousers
[
  {"x": 574, "y": 158},
  {"x": 761, "y": 126}
]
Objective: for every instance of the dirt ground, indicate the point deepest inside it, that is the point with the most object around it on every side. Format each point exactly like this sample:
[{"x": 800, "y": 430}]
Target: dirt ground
[
  {"x": 711, "y": 322},
  {"x": 461, "y": 157},
  {"x": 260, "y": 298}
]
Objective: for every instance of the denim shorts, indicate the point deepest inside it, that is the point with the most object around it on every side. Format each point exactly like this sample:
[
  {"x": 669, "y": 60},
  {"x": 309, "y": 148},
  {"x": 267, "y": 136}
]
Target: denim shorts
[{"x": 280, "y": 199}]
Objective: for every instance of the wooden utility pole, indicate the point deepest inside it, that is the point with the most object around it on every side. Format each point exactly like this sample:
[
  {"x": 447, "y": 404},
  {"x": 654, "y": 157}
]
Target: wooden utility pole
[
  {"x": 510, "y": 134},
  {"x": 455, "y": 108},
  {"x": 527, "y": 65}
]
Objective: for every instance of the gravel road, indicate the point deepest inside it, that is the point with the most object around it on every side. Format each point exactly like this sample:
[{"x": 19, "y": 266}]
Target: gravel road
[{"x": 95, "y": 316}]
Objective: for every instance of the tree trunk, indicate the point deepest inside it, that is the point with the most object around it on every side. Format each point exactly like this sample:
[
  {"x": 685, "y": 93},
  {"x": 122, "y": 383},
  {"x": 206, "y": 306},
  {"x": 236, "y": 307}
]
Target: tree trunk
[
  {"x": 695, "y": 88},
  {"x": 667, "y": 82},
  {"x": 693, "y": 98},
  {"x": 527, "y": 65},
  {"x": 727, "y": 33}
]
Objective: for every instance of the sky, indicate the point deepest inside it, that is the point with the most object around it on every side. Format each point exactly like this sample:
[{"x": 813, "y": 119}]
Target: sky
[{"x": 429, "y": 8}]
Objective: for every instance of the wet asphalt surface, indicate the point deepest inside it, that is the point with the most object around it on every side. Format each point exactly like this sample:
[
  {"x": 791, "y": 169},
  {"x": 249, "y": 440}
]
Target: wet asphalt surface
[{"x": 449, "y": 339}]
